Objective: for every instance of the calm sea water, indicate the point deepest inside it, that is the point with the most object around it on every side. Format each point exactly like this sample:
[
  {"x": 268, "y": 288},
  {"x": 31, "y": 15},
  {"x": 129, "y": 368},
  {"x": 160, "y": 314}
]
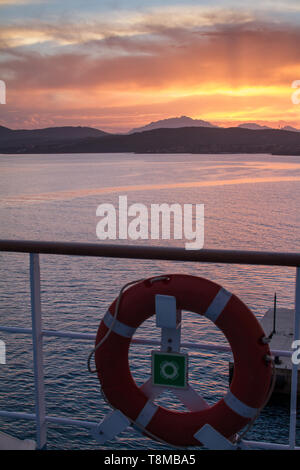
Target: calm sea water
[{"x": 251, "y": 202}]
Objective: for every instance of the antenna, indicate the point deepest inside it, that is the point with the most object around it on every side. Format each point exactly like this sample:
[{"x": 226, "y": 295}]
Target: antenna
[
  {"x": 274, "y": 318},
  {"x": 274, "y": 314}
]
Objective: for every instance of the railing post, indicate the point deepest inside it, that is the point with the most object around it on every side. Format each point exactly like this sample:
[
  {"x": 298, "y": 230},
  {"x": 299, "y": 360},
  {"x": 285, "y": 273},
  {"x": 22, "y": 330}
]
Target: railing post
[
  {"x": 294, "y": 383},
  {"x": 37, "y": 341}
]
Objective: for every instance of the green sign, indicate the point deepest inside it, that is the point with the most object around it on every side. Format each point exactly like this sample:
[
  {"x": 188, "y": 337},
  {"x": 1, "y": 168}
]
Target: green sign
[{"x": 169, "y": 369}]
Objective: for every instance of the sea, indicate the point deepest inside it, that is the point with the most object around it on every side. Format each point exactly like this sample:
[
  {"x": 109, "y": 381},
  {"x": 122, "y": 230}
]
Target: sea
[{"x": 251, "y": 202}]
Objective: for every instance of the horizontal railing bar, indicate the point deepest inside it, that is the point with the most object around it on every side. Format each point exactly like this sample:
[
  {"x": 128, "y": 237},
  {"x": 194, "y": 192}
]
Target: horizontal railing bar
[
  {"x": 142, "y": 341},
  {"x": 15, "y": 329},
  {"x": 152, "y": 252},
  {"x": 206, "y": 346},
  {"x": 50, "y": 419},
  {"x": 268, "y": 445},
  {"x": 57, "y": 334},
  {"x": 72, "y": 422},
  {"x": 67, "y": 334},
  {"x": 17, "y": 415},
  {"x": 93, "y": 424}
]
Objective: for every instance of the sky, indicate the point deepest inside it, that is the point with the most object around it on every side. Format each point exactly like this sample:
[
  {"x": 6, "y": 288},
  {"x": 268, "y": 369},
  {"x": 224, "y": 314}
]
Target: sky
[{"x": 116, "y": 64}]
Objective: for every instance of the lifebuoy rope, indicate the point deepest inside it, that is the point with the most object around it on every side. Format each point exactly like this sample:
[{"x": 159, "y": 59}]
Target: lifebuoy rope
[{"x": 114, "y": 317}]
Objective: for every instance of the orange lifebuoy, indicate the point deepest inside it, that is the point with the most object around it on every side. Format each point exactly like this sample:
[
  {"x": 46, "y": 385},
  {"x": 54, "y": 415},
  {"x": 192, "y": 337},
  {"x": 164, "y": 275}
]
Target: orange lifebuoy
[{"x": 252, "y": 373}]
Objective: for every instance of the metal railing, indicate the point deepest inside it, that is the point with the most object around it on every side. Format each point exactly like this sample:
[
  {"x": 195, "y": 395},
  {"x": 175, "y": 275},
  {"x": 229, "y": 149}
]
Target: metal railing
[{"x": 34, "y": 248}]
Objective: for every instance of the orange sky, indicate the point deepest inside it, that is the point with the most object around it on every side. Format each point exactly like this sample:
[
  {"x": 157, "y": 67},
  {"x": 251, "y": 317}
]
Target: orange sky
[{"x": 117, "y": 71}]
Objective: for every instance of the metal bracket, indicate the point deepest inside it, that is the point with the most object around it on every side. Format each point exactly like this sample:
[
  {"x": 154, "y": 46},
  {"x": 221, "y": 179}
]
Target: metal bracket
[
  {"x": 191, "y": 399},
  {"x": 168, "y": 318},
  {"x": 112, "y": 425},
  {"x": 213, "y": 440}
]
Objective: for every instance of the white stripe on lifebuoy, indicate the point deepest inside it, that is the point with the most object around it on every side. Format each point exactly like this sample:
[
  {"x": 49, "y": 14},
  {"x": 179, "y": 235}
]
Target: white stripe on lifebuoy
[
  {"x": 239, "y": 407},
  {"x": 217, "y": 305},
  {"x": 119, "y": 327},
  {"x": 146, "y": 414}
]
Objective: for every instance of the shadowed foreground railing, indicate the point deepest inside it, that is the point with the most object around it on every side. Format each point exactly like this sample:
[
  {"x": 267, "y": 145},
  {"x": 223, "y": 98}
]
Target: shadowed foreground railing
[{"x": 34, "y": 248}]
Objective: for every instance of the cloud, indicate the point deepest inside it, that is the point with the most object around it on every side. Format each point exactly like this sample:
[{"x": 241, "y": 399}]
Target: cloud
[
  {"x": 174, "y": 58},
  {"x": 204, "y": 62},
  {"x": 78, "y": 29}
]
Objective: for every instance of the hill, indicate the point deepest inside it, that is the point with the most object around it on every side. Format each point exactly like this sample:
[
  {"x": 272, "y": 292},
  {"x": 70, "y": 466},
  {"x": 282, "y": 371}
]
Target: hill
[
  {"x": 173, "y": 123},
  {"x": 182, "y": 140},
  {"x": 290, "y": 128},
  {"x": 253, "y": 126},
  {"x": 29, "y": 138}
]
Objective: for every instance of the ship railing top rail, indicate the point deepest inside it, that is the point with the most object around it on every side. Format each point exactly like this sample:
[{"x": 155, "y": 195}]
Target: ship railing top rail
[
  {"x": 34, "y": 248},
  {"x": 108, "y": 250}
]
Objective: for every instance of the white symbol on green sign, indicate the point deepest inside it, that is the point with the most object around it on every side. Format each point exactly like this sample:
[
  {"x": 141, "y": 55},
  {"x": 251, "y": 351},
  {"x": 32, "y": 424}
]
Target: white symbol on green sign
[{"x": 169, "y": 369}]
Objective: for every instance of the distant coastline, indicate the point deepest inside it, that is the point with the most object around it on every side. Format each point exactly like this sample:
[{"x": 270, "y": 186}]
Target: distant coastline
[{"x": 202, "y": 140}]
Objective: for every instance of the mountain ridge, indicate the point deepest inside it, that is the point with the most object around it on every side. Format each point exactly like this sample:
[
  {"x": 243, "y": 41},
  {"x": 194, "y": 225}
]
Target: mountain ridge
[
  {"x": 181, "y": 140},
  {"x": 54, "y": 128},
  {"x": 27, "y": 137},
  {"x": 254, "y": 126},
  {"x": 173, "y": 123}
]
